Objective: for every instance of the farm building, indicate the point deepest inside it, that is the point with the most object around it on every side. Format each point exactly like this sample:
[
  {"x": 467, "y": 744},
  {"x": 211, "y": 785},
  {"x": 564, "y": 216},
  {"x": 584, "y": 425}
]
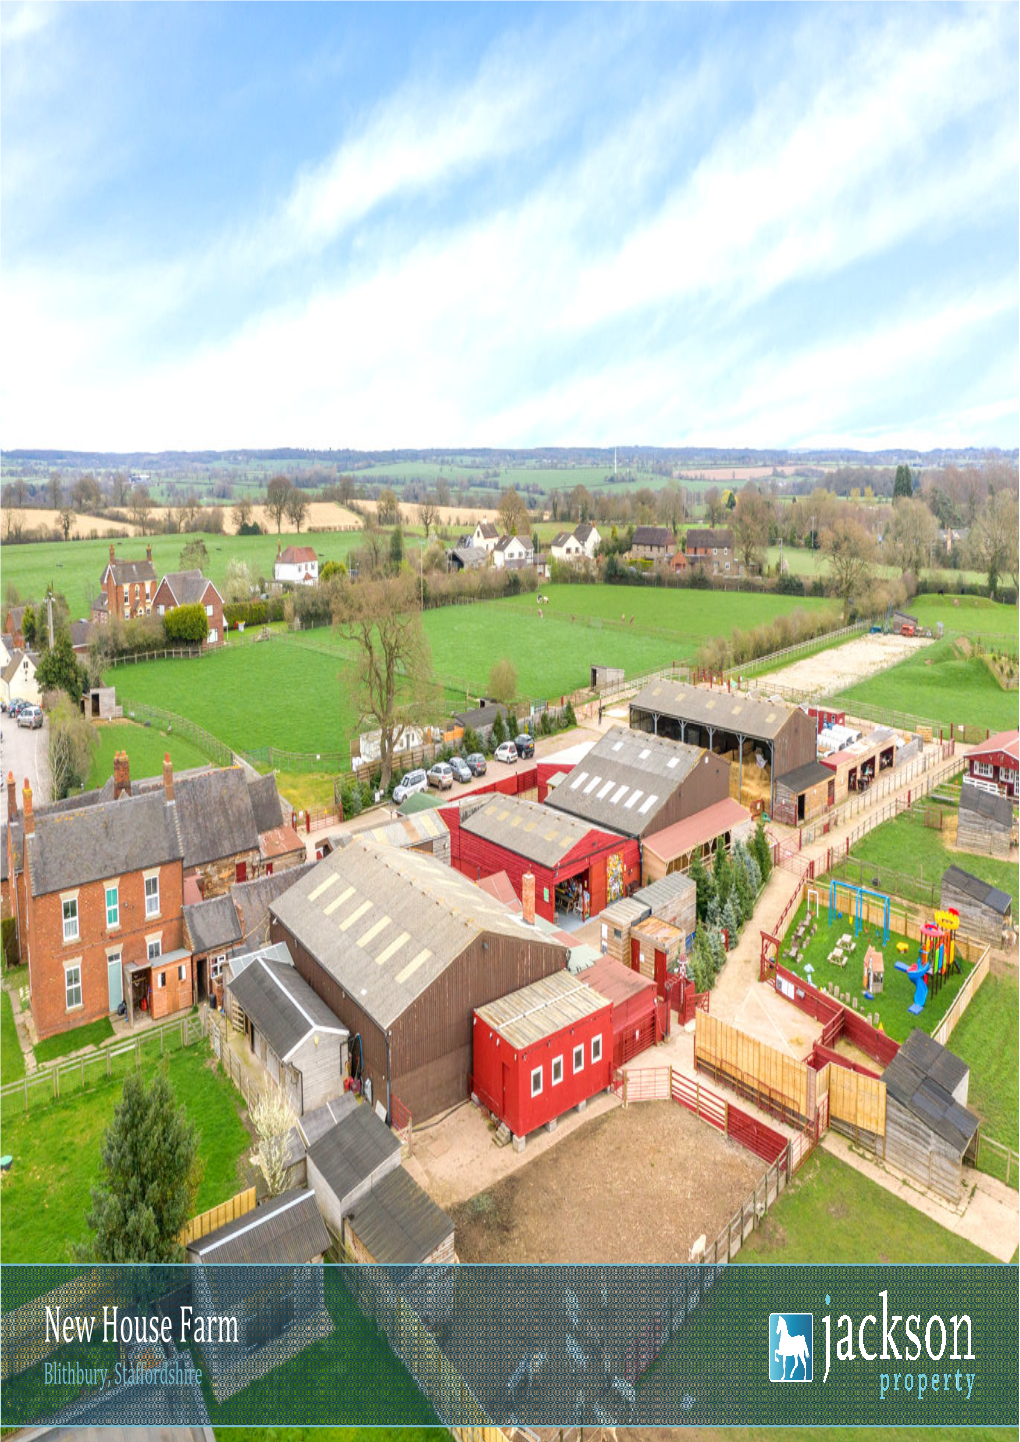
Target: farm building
[
  {"x": 403, "y": 949},
  {"x": 673, "y": 849},
  {"x": 480, "y": 718},
  {"x": 466, "y": 558},
  {"x": 616, "y": 922},
  {"x": 397, "y": 1224},
  {"x": 636, "y": 1019},
  {"x": 674, "y": 899},
  {"x": 997, "y": 760},
  {"x": 804, "y": 793},
  {"x": 577, "y": 868},
  {"x": 903, "y": 623},
  {"x": 761, "y": 739},
  {"x": 292, "y": 1031},
  {"x": 929, "y": 1129},
  {"x": 985, "y": 822},
  {"x": 656, "y": 947},
  {"x": 540, "y": 1051},
  {"x": 985, "y": 911},
  {"x": 100, "y": 704},
  {"x": 349, "y": 1149},
  {"x": 824, "y": 716},
  {"x": 635, "y": 784},
  {"x": 422, "y": 831},
  {"x": 606, "y": 676}
]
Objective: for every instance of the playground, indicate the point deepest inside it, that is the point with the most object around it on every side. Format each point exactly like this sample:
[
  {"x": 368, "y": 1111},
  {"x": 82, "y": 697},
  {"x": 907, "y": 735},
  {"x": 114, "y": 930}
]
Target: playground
[{"x": 847, "y": 941}]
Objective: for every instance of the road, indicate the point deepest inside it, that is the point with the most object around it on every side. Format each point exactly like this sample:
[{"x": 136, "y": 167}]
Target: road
[{"x": 24, "y": 753}]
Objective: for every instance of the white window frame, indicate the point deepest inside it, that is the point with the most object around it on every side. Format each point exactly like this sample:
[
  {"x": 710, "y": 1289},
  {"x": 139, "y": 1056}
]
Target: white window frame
[
  {"x": 213, "y": 636},
  {"x": 113, "y": 886},
  {"x": 154, "y": 942},
  {"x": 216, "y": 965},
  {"x": 161, "y": 609},
  {"x": 69, "y": 967},
  {"x": 182, "y": 971},
  {"x": 536, "y": 1072},
  {"x": 578, "y": 1048},
  {"x": 148, "y": 876},
  {"x": 984, "y": 768},
  {"x": 70, "y": 899},
  {"x": 208, "y": 610},
  {"x": 555, "y": 1080},
  {"x": 596, "y": 1049},
  {"x": 161, "y": 981}
]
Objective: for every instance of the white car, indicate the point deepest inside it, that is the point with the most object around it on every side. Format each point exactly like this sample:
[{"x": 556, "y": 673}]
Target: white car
[
  {"x": 408, "y": 784},
  {"x": 441, "y": 775},
  {"x": 506, "y": 751}
]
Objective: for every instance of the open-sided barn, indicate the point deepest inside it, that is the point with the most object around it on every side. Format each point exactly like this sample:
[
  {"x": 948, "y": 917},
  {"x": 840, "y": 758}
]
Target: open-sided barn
[
  {"x": 403, "y": 949},
  {"x": 576, "y": 866},
  {"x": 634, "y": 784}
]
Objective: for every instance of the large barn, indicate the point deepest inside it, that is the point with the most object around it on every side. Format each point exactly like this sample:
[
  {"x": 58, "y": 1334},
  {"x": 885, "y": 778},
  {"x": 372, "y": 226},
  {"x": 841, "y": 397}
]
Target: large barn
[
  {"x": 733, "y": 725},
  {"x": 634, "y": 784},
  {"x": 403, "y": 949},
  {"x": 578, "y": 868}
]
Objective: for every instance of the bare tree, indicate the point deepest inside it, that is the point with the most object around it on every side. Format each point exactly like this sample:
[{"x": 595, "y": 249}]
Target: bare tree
[
  {"x": 912, "y": 532},
  {"x": 388, "y": 507},
  {"x": 715, "y": 506},
  {"x": 503, "y": 681},
  {"x": 272, "y": 1119},
  {"x": 119, "y": 487},
  {"x": 428, "y": 514},
  {"x": 191, "y": 510},
  {"x": 297, "y": 508},
  {"x": 394, "y": 663},
  {"x": 850, "y": 551},
  {"x": 442, "y": 491},
  {"x": 752, "y": 518},
  {"x": 993, "y": 538},
  {"x": 72, "y": 745},
  {"x": 141, "y": 505},
  {"x": 242, "y": 512},
  {"x": 55, "y": 489},
  {"x": 14, "y": 523},
  {"x": 512, "y": 514},
  {"x": 277, "y": 499},
  {"x": 66, "y": 520},
  {"x": 671, "y": 506}
]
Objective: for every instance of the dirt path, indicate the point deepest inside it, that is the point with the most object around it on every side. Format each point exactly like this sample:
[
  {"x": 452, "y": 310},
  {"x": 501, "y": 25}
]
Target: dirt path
[{"x": 843, "y": 666}]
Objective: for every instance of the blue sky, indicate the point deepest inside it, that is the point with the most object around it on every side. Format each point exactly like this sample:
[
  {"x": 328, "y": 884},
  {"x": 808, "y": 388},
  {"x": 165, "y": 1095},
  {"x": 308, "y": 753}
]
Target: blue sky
[{"x": 401, "y": 226}]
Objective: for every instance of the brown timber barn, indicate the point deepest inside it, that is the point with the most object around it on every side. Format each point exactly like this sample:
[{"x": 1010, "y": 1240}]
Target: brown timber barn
[{"x": 403, "y": 949}]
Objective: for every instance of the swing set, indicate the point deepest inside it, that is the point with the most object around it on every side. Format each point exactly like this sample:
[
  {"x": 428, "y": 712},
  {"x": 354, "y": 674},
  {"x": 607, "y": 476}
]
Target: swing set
[{"x": 854, "y": 905}]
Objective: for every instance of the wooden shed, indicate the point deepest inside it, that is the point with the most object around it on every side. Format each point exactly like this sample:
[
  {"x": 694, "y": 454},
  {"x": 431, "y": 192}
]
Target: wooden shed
[
  {"x": 985, "y": 824},
  {"x": 804, "y": 793},
  {"x": 929, "y": 1130},
  {"x": 655, "y": 948},
  {"x": 673, "y": 898},
  {"x": 985, "y": 911},
  {"x": 397, "y": 1224},
  {"x": 616, "y": 922},
  {"x": 345, "y": 1158}
]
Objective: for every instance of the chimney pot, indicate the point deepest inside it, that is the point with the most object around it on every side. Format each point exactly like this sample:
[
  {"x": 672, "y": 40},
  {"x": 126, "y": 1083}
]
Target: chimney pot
[
  {"x": 528, "y": 897},
  {"x": 12, "y": 797},
  {"x": 28, "y": 818},
  {"x": 121, "y": 775},
  {"x": 148, "y": 553},
  {"x": 168, "y": 776},
  {"x": 111, "y": 551}
]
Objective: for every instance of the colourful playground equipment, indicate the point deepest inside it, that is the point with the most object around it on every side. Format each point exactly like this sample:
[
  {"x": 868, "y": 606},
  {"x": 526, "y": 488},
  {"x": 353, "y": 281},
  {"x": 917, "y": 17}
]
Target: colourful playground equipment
[
  {"x": 936, "y": 957},
  {"x": 918, "y": 973},
  {"x": 855, "y": 905}
]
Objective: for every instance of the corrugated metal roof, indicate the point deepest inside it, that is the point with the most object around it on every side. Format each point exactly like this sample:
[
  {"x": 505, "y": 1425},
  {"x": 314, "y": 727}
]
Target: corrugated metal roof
[
  {"x": 725, "y": 710},
  {"x": 353, "y": 1149},
  {"x": 802, "y": 778},
  {"x": 409, "y": 830},
  {"x": 617, "y": 982},
  {"x": 530, "y": 1015},
  {"x": 625, "y": 780},
  {"x": 668, "y": 888},
  {"x": 387, "y": 922},
  {"x": 535, "y": 832},
  {"x": 682, "y": 836},
  {"x": 398, "y": 1223},
  {"x": 281, "y": 1005},
  {"x": 287, "y": 1229}
]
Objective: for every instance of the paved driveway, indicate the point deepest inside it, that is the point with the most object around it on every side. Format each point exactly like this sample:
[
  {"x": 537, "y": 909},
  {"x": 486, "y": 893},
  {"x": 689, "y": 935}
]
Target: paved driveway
[{"x": 25, "y": 753}]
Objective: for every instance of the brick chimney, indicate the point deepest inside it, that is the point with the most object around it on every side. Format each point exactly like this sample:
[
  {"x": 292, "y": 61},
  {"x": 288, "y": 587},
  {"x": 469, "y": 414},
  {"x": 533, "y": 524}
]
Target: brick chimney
[
  {"x": 148, "y": 554},
  {"x": 111, "y": 553},
  {"x": 12, "y": 797},
  {"x": 168, "y": 776},
  {"x": 528, "y": 897},
  {"x": 28, "y": 818},
  {"x": 121, "y": 775}
]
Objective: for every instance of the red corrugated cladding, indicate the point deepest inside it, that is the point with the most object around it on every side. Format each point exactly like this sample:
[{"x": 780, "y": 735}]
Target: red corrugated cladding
[{"x": 637, "y": 1022}]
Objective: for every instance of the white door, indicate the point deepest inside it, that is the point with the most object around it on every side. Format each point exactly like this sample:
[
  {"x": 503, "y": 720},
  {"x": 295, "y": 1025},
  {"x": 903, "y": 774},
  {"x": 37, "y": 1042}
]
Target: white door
[{"x": 115, "y": 980}]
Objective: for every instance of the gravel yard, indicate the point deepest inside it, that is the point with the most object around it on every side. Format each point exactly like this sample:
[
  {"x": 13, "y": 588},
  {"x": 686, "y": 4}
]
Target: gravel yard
[{"x": 844, "y": 666}]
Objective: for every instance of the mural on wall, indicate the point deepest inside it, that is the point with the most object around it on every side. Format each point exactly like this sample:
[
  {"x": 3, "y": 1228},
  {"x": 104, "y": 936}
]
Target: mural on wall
[{"x": 614, "y": 877}]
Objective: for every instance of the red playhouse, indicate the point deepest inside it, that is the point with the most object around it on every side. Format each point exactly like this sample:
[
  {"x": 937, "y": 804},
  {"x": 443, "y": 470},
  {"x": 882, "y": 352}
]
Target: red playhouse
[
  {"x": 637, "y": 1022},
  {"x": 540, "y": 1051},
  {"x": 578, "y": 868}
]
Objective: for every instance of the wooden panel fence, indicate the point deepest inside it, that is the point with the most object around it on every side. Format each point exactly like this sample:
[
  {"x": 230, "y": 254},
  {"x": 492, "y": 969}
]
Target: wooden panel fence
[
  {"x": 775, "y": 1082},
  {"x": 963, "y": 998},
  {"x": 857, "y": 1105},
  {"x": 229, "y": 1211}
]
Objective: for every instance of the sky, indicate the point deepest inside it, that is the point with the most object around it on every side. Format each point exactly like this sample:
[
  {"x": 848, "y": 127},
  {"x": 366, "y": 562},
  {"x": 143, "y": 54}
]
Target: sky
[{"x": 401, "y": 226}]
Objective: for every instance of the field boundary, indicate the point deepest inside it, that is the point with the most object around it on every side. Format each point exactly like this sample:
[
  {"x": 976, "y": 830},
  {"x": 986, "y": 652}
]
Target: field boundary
[
  {"x": 146, "y": 714},
  {"x": 963, "y": 998}
]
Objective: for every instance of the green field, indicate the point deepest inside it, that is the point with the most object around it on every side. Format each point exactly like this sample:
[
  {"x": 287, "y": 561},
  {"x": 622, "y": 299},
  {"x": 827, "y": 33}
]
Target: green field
[
  {"x": 987, "y": 1038},
  {"x": 831, "y": 1213},
  {"x": 939, "y": 684},
  {"x": 906, "y": 845},
  {"x": 93, "y": 1033},
  {"x": 12, "y": 1062},
  {"x": 967, "y": 615},
  {"x": 56, "y": 1154},
  {"x": 145, "y": 748}
]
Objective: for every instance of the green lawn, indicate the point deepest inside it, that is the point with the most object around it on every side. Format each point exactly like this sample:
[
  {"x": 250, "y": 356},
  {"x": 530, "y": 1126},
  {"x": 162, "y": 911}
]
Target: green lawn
[
  {"x": 12, "y": 1062},
  {"x": 987, "y": 1038},
  {"x": 967, "y": 615},
  {"x": 66, "y": 1042},
  {"x": 908, "y": 846},
  {"x": 831, "y": 1213},
  {"x": 893, "y": 1002},
  {"x": 56, "y": 1154},
  {"x": 145, "y": 747},
  {"x": 941, "y": 685}
]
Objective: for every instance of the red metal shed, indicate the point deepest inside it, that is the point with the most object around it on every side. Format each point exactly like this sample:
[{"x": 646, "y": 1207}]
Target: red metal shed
[
  {"x": 542, "y": 1050},
  {"x": 826, "y": 716},
  {"x": 577, "y": 867},
  {"x": 637, "y": 1022}
]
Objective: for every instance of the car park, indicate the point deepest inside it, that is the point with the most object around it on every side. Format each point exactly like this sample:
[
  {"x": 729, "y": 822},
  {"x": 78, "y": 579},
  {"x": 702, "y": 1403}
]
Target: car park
[
  {"x": 31, "y": 717},
  {"x": 461, "y": 770},
  {"x": 525, "y": 745},
  {"x": 441, "y": 775},
  {"x": 476, "y": 761},
  {"x": 408, "y": 784},
  {"x": 506, "y": 751}
]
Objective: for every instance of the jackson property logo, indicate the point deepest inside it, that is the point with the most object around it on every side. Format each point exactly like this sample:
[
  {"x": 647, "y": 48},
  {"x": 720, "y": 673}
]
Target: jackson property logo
[{"x": 791, "y": 1346}]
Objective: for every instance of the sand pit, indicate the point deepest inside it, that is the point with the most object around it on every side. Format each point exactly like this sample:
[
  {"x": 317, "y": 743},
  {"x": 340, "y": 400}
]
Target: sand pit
[{"x": 843, "y": 666}]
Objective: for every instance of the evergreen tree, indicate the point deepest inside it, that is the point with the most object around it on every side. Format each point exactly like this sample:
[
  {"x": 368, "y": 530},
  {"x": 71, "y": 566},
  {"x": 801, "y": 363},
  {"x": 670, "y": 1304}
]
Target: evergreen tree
[
  {"x": 700, "y": 965},
  {"x": 717, "y": 950},
  {"x": 730, "y": 920},
  {"x": 704, "y": 886},
  {"x": 498, "y": 733},
  {"x": 904, "y": 483},
  {"x": 742, "y": 893},
  {"x": 60, "y": 670},
  {"x": 148, "y": 1177},
  {"x": 762, "y": 850},
  {"x": 722, "y": 871}
]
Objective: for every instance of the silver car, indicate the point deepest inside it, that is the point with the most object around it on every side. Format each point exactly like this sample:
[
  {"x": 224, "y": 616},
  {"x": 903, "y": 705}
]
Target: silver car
[
  {"x": 408, "y": 784},
  {"x": 441, "y": 775},
  {"x": 30, "y": 716}
]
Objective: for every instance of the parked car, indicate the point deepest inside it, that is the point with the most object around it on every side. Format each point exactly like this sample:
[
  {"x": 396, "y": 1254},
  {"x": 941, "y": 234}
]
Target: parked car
[
  {"x": 30, "y": 716},
  {"x": 476, "y": 761},
  {"x": 506, "y": 751},
  {"x": 13, "y": 707},
  {"x": 525, "y": 745},
  {"x": 461, "y": 770},
  {"x": 441, "y": 775},
  {"x": 408, "y": 784}
]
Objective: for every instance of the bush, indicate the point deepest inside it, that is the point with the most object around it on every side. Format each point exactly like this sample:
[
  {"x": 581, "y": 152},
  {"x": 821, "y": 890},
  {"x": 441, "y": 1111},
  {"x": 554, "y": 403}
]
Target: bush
[
  {"x": 252, "y": 528},
  {"x": 498, "y": 733},
  {"x": 350, "y": 797},
  {"x": 762, "y": 851},
  {"x": 252, "y": 613},
  {"x": 471, "y": 741},
  {"x": 790, "y": 586},
  {"x": 186, "y": 625},
  {"x": 9, "y": 941},
  {"x": 567, "y": 717}
]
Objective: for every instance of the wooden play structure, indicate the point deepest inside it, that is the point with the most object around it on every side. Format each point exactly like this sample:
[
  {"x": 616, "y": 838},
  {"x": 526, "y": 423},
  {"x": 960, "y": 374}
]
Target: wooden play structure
[
  {"x": 935, "y": 959},
  {"x": 874, "y": 972}
]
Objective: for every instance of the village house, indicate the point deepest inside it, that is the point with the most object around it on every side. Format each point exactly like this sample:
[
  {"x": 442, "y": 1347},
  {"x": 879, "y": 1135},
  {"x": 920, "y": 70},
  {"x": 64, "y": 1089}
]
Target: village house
[
  {"x": 579, "y": 544},
  {"x": 18, "y": 682},
  {"x": 126, "y": 589},
  {"x": 297, "y": 566},
  {"x": 466, "y": 557},
  {"x": 485, "y": 536},
  {"x": 191, "y": 588},
  {"x": 652, "y": 543},
  {"x": 997, "y": 761},
  {"x": 12, "y": 626},
  {"x": 712, "y": 549},
  {"x": 511, "y": 553}
]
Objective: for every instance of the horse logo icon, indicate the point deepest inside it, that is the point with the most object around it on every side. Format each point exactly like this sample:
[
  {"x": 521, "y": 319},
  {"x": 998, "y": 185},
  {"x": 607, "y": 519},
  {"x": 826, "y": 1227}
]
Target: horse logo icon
[{"x": 791, "y": 1346}]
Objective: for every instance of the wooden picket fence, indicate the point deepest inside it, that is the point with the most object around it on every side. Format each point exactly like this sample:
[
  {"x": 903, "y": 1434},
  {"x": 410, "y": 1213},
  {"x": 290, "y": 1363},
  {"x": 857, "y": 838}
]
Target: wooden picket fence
[{"x": 238, "y": 1205}]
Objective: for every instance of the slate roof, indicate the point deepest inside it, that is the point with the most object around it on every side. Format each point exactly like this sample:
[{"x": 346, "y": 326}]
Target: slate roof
[
  {"x": 801, "y": 778},
  {"x": 705, "y": 540},
  {"x": 101, "y": 603},
  {"x": 111, "y": 838},
  {"x": 922, "y": 1077},
  {"x": 399, "y": 1223},
  {"x": 653, "y": 536},
  {"x": 82, "y": 632},
  {"x": 353, "y": 1150},
  {"x": 212, "y": 925},
  {"x": 216, "y": 816},
  {"x": 583, "y": 531},
  {"x": 287, "y": 1229},
  {"x": 11, "y": 669},
  {"x": 386, "y": 923},
  {"x": 480, "y": 715},
  {"x": 128, "y": 572},
  {"x": 725, "y": 710},
  {"x": 252, "y": 899},
  {"x": 470, "y": 556},
  {"x": 535, "y": 832},
  {"x": 266, "y": 805},
  {"x": 625, "y": 780},
  {"x": 992, "y": 807},
  {"x": 560, "y": 539},
  {"x": 978, "y": 890},
  {"x": 504, "y": 541},
  {"x": 282, "y": 1006},
  {"x": 526, "y": 1017},
  {"x": 487, "y": 529},
  {"x": 187, "y": 587}
]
